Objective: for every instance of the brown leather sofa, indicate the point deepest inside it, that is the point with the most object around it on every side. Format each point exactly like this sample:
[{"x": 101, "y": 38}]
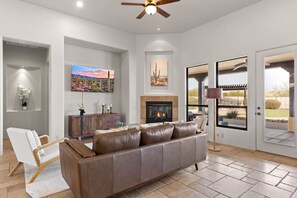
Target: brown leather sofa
[{"x": 121, "y": 161}]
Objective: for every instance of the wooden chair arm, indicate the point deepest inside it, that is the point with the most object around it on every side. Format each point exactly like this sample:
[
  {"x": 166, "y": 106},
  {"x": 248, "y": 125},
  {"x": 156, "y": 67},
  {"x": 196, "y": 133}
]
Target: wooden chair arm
[
  {"x": 49, "y": 144},
  {"x": 35, "y": 151},
  {"x": 44, "y": 139}
]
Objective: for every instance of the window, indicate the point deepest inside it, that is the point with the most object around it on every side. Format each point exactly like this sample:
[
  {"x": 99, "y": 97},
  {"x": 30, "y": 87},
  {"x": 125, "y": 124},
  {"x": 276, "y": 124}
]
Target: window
[
  {"x": 232, "y": 107},
  {"x": 197, "y": 80}
]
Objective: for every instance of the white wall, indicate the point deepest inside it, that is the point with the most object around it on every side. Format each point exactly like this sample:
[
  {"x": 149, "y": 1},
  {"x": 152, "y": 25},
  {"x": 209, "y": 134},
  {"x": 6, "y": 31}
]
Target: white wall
[
  {"x": 23, "y": 21},
  {"x": 92, "y": 101},
  {"x": 167, "y": 44},
  {"x": 267, "y": 24},
  {"x": 30, "y": 76},
  {"x": 33, "y": 76}
]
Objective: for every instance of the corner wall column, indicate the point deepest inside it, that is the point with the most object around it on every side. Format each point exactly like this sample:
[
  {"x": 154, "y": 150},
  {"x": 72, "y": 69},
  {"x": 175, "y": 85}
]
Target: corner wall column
[{"x": 1, "y": 96}]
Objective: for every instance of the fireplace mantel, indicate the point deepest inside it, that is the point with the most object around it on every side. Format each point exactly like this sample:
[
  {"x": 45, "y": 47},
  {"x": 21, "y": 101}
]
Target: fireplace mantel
[{"x": 144, "y": 99}]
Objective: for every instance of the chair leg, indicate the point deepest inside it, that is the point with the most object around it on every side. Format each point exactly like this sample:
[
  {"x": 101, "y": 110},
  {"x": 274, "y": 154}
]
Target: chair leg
[
  {"x": 196, "y": 166},
  {"x": 19, "y": 164},
  {"x": 37, "y": 172},
  {"x": 41, "y": 167}
]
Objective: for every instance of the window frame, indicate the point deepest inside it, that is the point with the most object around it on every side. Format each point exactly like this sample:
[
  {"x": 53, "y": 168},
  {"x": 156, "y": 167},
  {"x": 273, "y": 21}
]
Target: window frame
[
  {"x": 187, "y": 91},
  {"x": 229, "y": 106}
]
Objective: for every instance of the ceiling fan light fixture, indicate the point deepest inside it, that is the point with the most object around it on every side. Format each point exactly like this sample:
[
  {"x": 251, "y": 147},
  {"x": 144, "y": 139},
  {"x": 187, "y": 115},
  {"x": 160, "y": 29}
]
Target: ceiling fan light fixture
[{"x": 151, "y": 9}]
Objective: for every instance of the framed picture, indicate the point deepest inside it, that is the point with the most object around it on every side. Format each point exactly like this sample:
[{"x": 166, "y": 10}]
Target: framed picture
[
  {"x": 92, "y": 79},
  {"x": 159, "y": 73}
]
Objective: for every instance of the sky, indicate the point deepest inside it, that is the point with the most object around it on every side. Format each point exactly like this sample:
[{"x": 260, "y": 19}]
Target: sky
[
  {"x": 273, "y": 77},
  {"x": 161, "y": 65},
  {"x": 91, "y": 71}
]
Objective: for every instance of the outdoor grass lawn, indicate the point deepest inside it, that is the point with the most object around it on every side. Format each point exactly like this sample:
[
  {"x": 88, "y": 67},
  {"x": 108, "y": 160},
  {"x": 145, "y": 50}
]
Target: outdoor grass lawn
[{"x": 277, "y": 113}]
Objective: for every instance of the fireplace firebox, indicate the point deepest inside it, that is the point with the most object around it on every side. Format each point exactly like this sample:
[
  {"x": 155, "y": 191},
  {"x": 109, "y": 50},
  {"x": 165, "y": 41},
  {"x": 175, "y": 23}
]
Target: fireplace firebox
[{"x": 158, "y": 111}]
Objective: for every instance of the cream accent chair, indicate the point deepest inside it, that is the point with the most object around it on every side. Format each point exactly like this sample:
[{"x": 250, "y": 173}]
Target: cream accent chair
[
  {"x": 25, "y": 145},
  {"x": 201, "y": 123}
]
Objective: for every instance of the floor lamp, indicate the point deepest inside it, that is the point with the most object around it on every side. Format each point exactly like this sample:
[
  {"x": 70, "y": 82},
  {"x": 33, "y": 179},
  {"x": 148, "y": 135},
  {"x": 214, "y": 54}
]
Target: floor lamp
[{"x": 214, "y": 93}]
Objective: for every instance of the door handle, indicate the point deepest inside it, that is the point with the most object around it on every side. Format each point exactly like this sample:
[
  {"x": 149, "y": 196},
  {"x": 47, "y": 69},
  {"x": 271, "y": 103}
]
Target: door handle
[{"x": 258, "y": 113}]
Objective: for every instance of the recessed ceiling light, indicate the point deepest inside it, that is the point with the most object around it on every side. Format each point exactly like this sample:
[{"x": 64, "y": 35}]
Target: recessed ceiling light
[
  {"x": 158, "y": 29},
  {"x": 79, "y": 4}
]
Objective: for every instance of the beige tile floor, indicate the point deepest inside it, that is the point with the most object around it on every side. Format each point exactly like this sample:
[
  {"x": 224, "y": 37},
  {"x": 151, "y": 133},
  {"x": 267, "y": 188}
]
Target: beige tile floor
[{"x": 233, "y": 172}]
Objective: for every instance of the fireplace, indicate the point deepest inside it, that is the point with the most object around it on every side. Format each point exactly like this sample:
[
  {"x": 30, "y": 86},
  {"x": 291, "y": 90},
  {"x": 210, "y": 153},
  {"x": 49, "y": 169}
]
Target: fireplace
[
  {"x": 158, "y": 111},
  {"x": 158, "y": 99}
]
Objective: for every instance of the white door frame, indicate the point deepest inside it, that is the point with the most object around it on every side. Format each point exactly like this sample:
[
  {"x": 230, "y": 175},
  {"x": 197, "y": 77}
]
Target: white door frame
[{"x": 260, "y": 122}]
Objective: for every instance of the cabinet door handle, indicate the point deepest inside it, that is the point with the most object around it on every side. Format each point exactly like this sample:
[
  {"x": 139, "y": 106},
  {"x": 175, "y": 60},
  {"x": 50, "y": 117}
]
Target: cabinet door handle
[{"x": 258, "y": 113}]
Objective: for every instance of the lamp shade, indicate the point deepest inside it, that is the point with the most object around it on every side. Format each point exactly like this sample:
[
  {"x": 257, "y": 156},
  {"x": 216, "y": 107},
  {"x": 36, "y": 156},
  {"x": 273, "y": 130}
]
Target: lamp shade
[
  {"x": 214, "y": 93},
  {"x": 150, "y": 9}
]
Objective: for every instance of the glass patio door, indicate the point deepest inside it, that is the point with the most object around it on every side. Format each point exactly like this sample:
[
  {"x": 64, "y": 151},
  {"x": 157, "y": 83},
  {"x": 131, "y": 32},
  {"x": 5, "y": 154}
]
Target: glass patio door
[{"x": 275, "y": 101}]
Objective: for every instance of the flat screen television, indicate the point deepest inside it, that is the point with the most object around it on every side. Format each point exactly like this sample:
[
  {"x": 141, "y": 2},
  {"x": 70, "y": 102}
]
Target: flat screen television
[{"x": 91, "y": 79}]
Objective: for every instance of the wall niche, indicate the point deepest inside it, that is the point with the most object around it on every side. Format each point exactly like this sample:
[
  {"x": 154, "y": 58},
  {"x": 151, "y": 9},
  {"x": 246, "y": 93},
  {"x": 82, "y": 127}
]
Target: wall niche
[{"x": 25, "y": 86}]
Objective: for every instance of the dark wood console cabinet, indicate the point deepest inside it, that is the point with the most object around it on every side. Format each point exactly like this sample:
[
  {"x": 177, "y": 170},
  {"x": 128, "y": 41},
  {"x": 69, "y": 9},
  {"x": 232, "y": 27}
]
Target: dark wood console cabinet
[{"x": 91, "y": 123}]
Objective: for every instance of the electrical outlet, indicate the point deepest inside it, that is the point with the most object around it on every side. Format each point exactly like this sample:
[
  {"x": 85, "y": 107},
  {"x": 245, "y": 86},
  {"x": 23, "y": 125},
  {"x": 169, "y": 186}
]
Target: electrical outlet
[{"x": 218, "y": 135}]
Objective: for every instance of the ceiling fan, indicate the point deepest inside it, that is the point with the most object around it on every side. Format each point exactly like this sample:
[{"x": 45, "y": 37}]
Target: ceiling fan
[
  {"x": 240, "y": 65},
  {"x": 151, "y": 7}
]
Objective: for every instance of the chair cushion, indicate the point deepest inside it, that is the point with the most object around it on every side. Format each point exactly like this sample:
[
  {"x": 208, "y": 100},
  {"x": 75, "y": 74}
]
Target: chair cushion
[
  {"x": 184, "y": 129},
  {"x": 34, "y": 141},
  {"x": 112, "y": 142},
  {"x": 156, "y": 134},
  {"x": 81, "y": 148},
  {"x": 49, "y": 156}
]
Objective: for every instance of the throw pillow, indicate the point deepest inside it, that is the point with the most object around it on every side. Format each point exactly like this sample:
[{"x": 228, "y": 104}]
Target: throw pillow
[
  {"x": 112, "y": 130},
  {"x": 201, "y": 123},
  {"x": 174, "y": 122},
  {"x": 120, "y": 129},
  {"x": 103, "y": 131},
  {"x": 144, "y": 126}
]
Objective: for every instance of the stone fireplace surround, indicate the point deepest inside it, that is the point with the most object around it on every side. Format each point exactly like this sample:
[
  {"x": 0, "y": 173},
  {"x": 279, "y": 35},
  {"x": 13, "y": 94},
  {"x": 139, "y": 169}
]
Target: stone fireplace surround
[{"x": 144, "y": 99}]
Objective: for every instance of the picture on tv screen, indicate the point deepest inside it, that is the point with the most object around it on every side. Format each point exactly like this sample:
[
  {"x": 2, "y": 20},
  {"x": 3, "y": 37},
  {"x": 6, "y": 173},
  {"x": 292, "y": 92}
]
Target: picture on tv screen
[{"x": 91, "y": 79}]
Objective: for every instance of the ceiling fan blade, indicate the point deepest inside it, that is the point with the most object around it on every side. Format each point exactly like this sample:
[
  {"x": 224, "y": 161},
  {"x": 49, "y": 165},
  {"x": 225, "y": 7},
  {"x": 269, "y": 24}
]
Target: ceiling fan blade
[
  {"x": 141, "y": 15},
  {"x": 133, "y": 4},
  {"x": 162, "y": 12},
  {"x": 162, "y": 2}
]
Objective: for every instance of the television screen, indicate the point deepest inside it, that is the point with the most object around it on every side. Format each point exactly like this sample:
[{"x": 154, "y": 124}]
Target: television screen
[{"x": 91, "y": 79}]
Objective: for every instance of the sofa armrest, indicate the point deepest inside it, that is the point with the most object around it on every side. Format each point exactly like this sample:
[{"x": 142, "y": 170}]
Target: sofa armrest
[
  {"x": 81, "y": 148},
  {"x": 69, "y": 160}
]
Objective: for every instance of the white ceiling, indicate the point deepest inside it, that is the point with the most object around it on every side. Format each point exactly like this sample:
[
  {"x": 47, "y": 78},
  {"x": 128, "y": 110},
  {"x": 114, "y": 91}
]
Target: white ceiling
[{"x": 185, "y": 14}]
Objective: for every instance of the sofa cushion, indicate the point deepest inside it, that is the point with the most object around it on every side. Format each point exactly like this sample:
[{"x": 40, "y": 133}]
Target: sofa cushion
[
  {"x": 156, "y": 134},
  {"x": 184, "y": 129},
  {"x": 81, "y": 148},
  {"x": 112, "y": 142}
]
